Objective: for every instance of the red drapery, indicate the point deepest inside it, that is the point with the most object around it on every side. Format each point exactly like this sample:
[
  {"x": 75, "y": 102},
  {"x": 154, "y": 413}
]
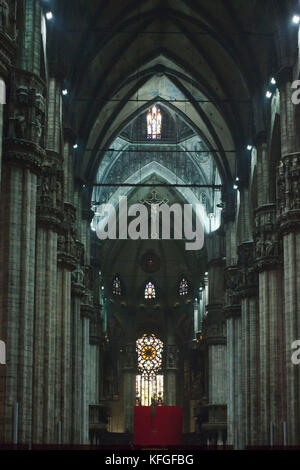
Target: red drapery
[{"x": 157, "y": 426}]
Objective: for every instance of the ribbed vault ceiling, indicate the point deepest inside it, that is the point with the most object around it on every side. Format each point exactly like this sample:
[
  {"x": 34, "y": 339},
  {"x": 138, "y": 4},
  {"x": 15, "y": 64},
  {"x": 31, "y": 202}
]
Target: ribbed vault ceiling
[{"x": 204, "y": 59}]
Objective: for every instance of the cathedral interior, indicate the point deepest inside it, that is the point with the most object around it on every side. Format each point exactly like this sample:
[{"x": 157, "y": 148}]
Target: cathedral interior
[{"x": 188, "y": 102}]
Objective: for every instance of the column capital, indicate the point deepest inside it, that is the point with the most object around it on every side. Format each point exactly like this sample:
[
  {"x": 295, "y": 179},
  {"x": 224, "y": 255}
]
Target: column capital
[
  {"x": 129, "y": 357},
  {"x": 24, "y": 154},
  {"x": 268, "y": 244},
  {"x": 78, "y": 288},
  {"x": 214, "y": 331},
  {"x": 248, "y": 278},
  {"x": 67, "y": 248},
  {"x": 288, "y": 190},
  {"x": 232, "y": 278},
  {"x": 50, "y": 198},
  {"x": 171, "y": 351}
]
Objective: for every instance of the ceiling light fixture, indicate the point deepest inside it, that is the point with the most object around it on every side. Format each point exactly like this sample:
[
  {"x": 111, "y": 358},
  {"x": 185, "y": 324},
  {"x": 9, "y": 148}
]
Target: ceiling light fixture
[
  {"x": 268, "y": 94},
  {"x": 65, "y": 92},
  {"x": 49, "y": 15},
  {"x": 296, "y": 19}
]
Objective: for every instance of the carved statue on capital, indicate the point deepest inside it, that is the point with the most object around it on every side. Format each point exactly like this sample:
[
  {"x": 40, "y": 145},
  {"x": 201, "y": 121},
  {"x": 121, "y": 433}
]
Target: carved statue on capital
[
  {"x": 171, "y": 356},
  {"x": 233, "y": 279},
  {"x": 288, "y": 190},
  {"x": 248, "y": 275},
  {"x": 27, "y": 114},
  {"x": 78, "y": 276},
  {"x": 130, "y": 357},
  {"x": 50, "y": 187}
]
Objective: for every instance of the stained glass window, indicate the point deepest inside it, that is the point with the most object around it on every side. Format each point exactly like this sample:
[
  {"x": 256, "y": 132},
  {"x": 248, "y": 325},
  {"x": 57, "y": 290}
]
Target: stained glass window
[
  {"x": 183, "y": 287},
  {"x": 154, "y": 123},
  {"x": 150, "y": 291},
  {"x": 149, "y": 384},
  {"x": 116, "y": 287}
]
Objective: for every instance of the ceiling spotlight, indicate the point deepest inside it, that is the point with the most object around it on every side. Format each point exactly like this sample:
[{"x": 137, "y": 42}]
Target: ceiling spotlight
[
  {"x": 296, "y": 19},
  {"x": 273, "y": 81},
  {"x": 237, "y": 179},
  {"x": 65, "y": 92},
  {"x": 249, "y": 147},
  {"x": 49, "y": 15},
  {"x": 206, "y": 274},
  {"x": 75, "y": 146},
  {"x": 235, "y": 186},
  {"x": 268, "y": 94}
]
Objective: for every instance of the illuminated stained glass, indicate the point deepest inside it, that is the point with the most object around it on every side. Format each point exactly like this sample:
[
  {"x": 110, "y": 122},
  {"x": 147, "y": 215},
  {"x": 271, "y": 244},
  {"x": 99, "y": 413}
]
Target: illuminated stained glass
[
  {"x": 150, "y": 291},
  {"x": 116, "y": 287},
  {"x": 183, "y": 287},
  {"x": 154, "y": 123},
  {"x": 149, "y": 384}
]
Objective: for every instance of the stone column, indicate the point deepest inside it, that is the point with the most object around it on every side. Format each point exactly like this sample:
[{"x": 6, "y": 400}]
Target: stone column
[
  {"x": 30, "y": 37},
  {"x": 288, "y": 217},
  {"x": 232, "y": 311},
  {"x": 50, "y": 219},
  {"x": 288, "y": 212},
  {"x": 78, "y": 292},
  {"x": 22, "y": 157},
  {"x": 67, "y": 260},
  {"x": 268, "y": 263},
  {"x": 171, "y": 369},
  {"x": 250, "y": 345},
  {"x": 87, "y": 312},
  {"x": 215, "y": 336},
  {"x": 129, "y": 392},
  {"x": 69, "y": 139}
]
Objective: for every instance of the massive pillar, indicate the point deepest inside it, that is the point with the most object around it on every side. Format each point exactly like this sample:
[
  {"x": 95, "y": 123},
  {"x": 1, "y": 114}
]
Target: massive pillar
[
  {"x": 215, "y": 335},
  {"x": 22, "y": 158},
  {"x": 50, "y": 219},
  {"x": 232, "y": 311},
  {"x": 129, "y": 393},
  {"x": 78, "y": 293},
  {"x": 268, "y": 264},
  {"x": 67, "y": 261},
  {"x": 248, "y": 293},
  {"x": 288, "y": 216}
]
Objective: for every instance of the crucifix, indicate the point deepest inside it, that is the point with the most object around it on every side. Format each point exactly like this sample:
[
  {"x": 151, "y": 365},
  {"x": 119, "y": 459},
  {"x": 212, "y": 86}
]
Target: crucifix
[{"x": 154, "y": 202}]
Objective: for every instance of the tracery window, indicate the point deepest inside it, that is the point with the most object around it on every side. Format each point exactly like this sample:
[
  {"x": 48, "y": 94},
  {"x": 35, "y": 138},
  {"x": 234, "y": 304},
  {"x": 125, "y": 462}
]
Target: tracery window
[
  {"x": 183, "y": 287},
  {"x": 154, "y": 123},
  {"x": 150, "y": 291},
  {"x": 149, "y": 384},
  {"x": 116, "y": 286}
]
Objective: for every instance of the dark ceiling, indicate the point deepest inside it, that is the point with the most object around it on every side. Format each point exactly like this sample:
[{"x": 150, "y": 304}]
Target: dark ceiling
[{"x": 214, "y": 57}]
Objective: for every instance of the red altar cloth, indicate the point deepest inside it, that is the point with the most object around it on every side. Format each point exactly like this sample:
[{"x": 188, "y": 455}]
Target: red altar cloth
[{"x": 157, "y": 426}]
